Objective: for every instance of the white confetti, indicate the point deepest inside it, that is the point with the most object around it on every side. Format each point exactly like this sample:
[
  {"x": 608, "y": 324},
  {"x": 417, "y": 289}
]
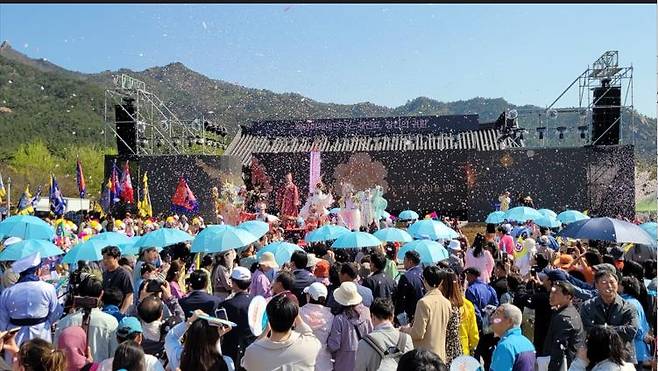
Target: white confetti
[{"x": 203, "y": 24}]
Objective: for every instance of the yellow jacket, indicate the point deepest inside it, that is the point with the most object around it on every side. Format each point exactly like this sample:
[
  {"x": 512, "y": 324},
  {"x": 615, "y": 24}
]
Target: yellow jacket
[{"x": 468, "y": 328}]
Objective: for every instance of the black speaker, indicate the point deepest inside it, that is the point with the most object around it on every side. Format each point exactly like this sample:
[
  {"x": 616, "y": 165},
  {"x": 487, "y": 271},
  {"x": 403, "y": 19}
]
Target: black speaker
[
  {"x": 606, "y": 115},
  {"x": 126, "y": 127}
]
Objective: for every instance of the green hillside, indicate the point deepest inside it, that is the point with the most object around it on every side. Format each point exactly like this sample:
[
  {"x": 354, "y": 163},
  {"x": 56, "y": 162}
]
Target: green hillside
[{"x": 49, "y": 115}]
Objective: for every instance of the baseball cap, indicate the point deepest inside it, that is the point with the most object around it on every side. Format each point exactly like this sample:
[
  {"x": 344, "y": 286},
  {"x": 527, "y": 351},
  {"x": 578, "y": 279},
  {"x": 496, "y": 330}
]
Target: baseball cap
[
  {"x": 316, "y": 290},
  {"x": 129, "y": 325},
  {"x": 617, "y": 253},
  {"x": 241, "y": 274}
]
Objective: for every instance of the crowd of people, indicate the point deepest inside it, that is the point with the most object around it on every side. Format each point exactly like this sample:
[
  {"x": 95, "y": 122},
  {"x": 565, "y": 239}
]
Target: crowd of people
[{"x": 514, "y": 298}]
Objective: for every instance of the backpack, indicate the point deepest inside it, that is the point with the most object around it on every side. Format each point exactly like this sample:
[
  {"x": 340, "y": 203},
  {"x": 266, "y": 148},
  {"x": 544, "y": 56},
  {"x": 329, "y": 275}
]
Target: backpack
[{"x": 390, "y": 356}]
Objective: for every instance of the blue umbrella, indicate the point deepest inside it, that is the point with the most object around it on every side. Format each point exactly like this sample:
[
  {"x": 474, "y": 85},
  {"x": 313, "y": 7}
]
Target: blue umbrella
[
  {"x": 255, "y": 227},
  {"x": 548, "y": 212},
  {"x": 523, "y": 214},
  {"x": 20, "y": 250},
  {"x": 27, "y": 227},
  {"x": 128, "y": 247},
  {"x": 218, "y": 238},
  {"x": 432, "y": 229},
  {"x": 163, "y": 237},
  {"x": 87, "y": 251},
  {"x": 548, "y": 222},
  {"x": 650, "y": 228},
  {"x": 282, "y": 251},
  {"x": 112, "y": 238},
  {"x": 571, "y": 216},
  {"x": 335, "y": 210},
  {"x": 496, "y": 217},
  {"x": 393, "y": 235},
  {"x": 326, "y": 233},
  {"x": 408, "y": 215},
  {"x": 607, "y": 229},
  {"x": 353, "y": 240},
  {"x": 430, "y": 251}
]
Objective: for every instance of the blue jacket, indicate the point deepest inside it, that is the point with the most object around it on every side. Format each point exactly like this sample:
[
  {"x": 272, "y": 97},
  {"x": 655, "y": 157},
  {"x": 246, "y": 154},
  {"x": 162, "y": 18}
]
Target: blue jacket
[
  {"x": 481, "y": 295},
  {"x": 410, "y": 289},
  {"x": 514, "y": 352}
]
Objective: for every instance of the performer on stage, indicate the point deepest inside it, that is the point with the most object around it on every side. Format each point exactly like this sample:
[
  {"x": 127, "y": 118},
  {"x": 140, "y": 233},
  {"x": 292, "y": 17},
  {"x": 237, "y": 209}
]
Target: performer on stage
[
  {"x": 317, "y": 204},
  {"x": 350, "y": 209},
  {"x": 366, "y": 208},
  {"x": 288, "y": 200}
]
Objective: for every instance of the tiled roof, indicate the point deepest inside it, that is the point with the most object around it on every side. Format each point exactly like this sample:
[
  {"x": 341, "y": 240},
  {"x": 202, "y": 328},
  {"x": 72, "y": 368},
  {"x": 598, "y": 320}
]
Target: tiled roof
[{"x": 243, "y": 145}]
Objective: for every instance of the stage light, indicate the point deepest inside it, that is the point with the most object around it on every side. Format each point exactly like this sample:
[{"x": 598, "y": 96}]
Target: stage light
[
  {"x": 583, "y": 131},
  {"x": 561, "y": 130}
]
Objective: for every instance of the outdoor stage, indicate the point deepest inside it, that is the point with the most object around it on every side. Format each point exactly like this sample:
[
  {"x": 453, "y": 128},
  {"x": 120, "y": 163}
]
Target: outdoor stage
[
  {"x": 449, "y": 164},
  {"x": 466, "y": 183}
]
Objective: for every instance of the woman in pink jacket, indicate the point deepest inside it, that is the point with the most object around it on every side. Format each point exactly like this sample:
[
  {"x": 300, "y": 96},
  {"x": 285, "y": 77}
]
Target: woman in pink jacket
[{"x": 478, "y": 257}]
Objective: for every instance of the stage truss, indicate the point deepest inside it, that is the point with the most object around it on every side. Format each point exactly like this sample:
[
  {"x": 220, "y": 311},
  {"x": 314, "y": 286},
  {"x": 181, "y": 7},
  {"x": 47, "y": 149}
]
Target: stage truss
[
  {"x": 158, "y": 130},
  {"x": 605, "y": 69}
]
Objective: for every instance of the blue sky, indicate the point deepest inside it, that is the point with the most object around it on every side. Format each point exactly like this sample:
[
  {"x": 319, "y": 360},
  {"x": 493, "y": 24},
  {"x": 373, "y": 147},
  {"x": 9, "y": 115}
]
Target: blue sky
[{"x": 385, "y": 54}]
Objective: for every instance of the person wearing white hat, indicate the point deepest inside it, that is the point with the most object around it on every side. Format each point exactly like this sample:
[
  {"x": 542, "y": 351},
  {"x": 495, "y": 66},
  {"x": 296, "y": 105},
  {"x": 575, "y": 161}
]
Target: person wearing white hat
[
  {"x": 237, "y": 308},
  {"x": 9, "y": 277},
  {"x": 30, "y": 304},
  {"x": 260, "y": 283},
  {"x": 319, "y": 318},
  {"x": 455, "y": 259},
  {"x": 350, "y": 325}
]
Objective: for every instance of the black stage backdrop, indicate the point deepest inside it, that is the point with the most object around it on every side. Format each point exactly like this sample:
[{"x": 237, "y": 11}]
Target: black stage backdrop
[
  {"x": 202, "y": 172},
  {"x": 467, "y": 183}
]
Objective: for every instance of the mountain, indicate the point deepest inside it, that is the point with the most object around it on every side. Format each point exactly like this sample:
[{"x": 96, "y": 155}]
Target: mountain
[{"x": 42, "y": 101}]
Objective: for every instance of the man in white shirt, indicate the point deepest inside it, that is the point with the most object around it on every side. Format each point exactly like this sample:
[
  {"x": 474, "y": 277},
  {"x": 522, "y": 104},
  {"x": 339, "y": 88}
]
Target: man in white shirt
[{"x": 101, "y": 333}]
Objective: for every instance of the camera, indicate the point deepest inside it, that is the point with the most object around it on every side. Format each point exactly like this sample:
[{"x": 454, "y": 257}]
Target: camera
[{"x": 85, "y": 302}]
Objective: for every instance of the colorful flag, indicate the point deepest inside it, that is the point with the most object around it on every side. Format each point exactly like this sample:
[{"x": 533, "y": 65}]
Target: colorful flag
[
  {"x": 24, "y": 206},
  {"x": 80, "y": 178},
  {"x": 106, "y": 196},
  {"x": 57, "y": 201},
  {"x": 37, "y": 197},
  {"x": 183, "y": 200},
  {"x": 144, "y": 206},
  {"x": 127, "y": 194},
  {"x": 3, "y": 191},
  {"x": 115, "y": 187}
]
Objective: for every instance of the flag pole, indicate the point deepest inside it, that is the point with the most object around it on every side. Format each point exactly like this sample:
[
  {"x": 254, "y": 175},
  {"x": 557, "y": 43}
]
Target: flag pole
[{"x": 8, "y": 197}]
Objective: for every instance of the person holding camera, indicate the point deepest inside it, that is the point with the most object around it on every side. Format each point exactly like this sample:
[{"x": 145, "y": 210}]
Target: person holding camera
[
  {"x": 116, "y": 276},
  {"x": 196, "y": 345},
  {"x": 99, "y": 326}
]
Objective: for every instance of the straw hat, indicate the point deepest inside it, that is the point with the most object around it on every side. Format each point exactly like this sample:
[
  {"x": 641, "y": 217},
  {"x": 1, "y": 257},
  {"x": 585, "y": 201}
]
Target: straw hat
[
  {"x": 267, "y": 260},
  {"x": 347, "y": 294},
  {"x": 563, "y": 261}
]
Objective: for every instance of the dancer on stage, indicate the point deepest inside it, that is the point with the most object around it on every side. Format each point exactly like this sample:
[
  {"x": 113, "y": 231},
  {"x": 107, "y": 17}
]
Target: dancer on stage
[{"x": 350, "y": 208}]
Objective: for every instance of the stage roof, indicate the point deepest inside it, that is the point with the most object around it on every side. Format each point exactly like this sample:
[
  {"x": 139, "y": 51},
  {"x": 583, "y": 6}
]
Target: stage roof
[{"x": 244, "y": 144}]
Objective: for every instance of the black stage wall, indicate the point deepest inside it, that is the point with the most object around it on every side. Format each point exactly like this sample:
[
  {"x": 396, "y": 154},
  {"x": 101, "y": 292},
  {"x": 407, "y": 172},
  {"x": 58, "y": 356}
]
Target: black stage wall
[
  {"x": 202, "y": 172},
  {"x": 467, "y": 183}
]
